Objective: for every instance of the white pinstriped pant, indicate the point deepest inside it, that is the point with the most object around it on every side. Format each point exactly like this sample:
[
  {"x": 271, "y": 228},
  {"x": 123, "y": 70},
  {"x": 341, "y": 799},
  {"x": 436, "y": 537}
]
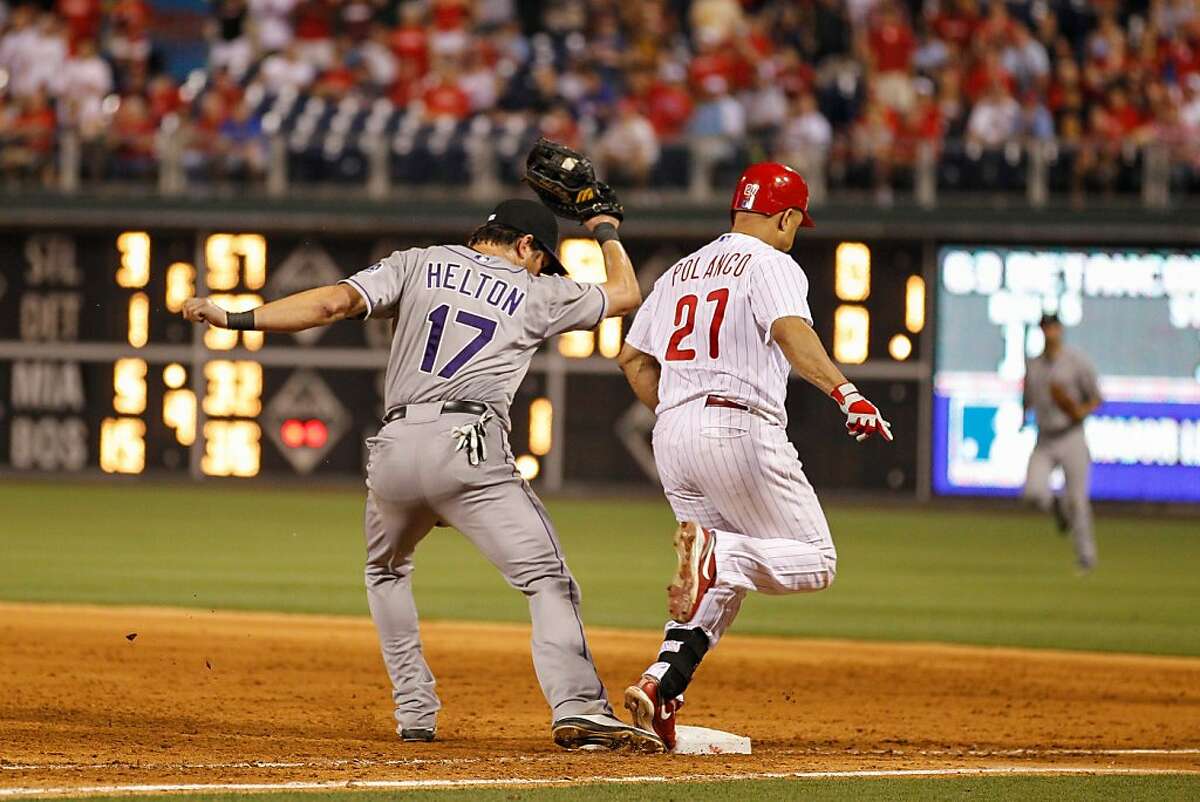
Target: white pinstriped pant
[{"x": 736, "y": 472}]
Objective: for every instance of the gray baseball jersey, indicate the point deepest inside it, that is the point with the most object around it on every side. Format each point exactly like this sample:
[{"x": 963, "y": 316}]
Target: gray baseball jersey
[
  {"x": 1061, "y": 443},
  {"x": 467, "y": 324},
  {"x": 1072, "y": 371}
]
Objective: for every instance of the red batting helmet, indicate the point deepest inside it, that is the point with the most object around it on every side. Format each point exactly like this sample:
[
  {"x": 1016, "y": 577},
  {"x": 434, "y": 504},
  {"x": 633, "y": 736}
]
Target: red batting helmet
[{"x": 769, "y": 188}]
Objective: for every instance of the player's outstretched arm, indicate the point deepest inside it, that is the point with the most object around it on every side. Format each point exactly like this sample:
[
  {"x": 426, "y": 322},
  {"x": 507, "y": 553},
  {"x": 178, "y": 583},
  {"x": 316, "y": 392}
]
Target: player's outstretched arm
[
  {"x": 642, "y": 371},
  {"x": 807, "y": 355},
  {"x": 624, "y": 294},
  {"x": 304, "y": 310}
]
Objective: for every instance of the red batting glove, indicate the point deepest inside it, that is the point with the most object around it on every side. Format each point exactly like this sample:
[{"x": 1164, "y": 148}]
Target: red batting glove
[{"x": 862, "y": 417}]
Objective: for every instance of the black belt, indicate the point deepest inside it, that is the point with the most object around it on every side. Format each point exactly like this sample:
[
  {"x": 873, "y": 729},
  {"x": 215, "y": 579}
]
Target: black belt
[{"x": 465, "y": 407}]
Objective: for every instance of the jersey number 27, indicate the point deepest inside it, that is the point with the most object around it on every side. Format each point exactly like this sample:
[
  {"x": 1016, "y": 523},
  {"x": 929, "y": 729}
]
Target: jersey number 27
[{"x": 685, "y": 322}]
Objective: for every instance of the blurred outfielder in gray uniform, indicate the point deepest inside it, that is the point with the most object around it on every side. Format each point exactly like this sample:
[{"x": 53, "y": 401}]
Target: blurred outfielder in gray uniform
[
  {"x": 1061, "y": 390},
  {"x": 468, "y": 320}
]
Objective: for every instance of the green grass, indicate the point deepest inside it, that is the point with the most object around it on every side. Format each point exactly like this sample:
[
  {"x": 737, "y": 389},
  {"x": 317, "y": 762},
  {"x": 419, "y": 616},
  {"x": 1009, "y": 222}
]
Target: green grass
[
  {"x": 1159, "y": 788},
  {"x": 904, "y": 574}
]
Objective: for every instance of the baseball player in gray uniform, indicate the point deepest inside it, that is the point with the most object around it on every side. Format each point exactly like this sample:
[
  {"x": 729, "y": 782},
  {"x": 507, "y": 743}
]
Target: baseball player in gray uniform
[
  {"x": 468, "y": 320},
  {"x": 1061, "y": 390}
]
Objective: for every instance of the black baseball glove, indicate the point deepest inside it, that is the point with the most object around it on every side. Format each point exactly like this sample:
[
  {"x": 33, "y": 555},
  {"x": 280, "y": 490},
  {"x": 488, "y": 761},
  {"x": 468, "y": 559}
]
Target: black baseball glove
[{"x": 566, "y": 182}]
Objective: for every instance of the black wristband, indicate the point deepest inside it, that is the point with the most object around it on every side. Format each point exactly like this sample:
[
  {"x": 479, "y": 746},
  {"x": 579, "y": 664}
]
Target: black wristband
[
  {"x": 605, "y": 232},
  {"x": 239, "y": 321}
]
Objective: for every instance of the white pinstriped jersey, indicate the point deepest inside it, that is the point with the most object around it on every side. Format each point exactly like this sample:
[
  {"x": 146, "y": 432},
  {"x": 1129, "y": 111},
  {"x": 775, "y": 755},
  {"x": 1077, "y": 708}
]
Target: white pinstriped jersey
[{"x": 708, "y": 323}]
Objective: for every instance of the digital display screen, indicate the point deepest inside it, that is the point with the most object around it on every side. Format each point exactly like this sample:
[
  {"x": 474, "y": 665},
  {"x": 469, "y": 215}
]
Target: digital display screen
[{"x": 1134, "y": 313}]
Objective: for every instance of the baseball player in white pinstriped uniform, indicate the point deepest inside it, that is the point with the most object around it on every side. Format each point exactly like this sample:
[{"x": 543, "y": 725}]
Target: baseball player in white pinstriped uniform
[{"x": 710, "y": 353}]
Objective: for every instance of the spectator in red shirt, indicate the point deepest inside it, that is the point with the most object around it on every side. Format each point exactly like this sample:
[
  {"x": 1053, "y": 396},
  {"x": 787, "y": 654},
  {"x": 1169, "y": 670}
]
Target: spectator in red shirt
[
  {"x": 986, "y": 72},
  {"x": 131, "y": 138},
  {"x": 450, "y": 19},
  {"x": 998, "y": 29},
  {"x": 313, "y": 31},
  {"x": 163, "y": 96},
  {"x": 410, "y": 40},
  {"x": 29, "y": 141},
  {"x": 667, "y": 103},
  {"x": 890, "y": 47},
  {"x": 713, "y": 60},
  {"x": 444, "y": 99},
  {"x": 82, "y": 18},
  {"x": 955, "y": 22}
]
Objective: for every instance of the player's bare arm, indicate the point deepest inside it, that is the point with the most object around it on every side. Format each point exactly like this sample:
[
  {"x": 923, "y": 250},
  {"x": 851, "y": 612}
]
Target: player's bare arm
[
  {"x": 304, "y": 310},
  {"x": 624, "y": 294},
  {"x": 642, "y": 371},
  {"x": 808, "y": 357}
]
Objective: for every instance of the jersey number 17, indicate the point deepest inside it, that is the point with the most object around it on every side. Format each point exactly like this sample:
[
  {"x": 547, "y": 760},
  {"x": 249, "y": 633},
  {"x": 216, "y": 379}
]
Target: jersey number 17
[{"x": 685, "y": 322}]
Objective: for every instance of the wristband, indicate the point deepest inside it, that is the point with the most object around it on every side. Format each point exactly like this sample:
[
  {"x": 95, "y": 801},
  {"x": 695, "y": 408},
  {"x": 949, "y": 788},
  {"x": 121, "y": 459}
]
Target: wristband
[
  {"x": 239, "y": 321},
  {"x": 840, "y": 392},
  {"x": 605, "y": 232}
]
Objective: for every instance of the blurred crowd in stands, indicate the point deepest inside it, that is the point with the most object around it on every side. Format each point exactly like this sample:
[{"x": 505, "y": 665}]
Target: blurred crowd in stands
[{"x": 860, "y": 90}]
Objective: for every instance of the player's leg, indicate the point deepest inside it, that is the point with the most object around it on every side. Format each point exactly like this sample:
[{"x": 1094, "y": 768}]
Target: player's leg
[
  {"x": 770, "y": 533},
  {"x": 507, "y": 522},
  {"x": 1076, "y": 461},
  {"x": 1037, "y": 478},
  {"x": 658, "y": 694},
  {"x": 393, "y": 531}
]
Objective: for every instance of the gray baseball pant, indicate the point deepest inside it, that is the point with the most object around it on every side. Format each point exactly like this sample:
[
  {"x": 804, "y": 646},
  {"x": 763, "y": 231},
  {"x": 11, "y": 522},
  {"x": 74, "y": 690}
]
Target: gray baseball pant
[
  {"x": 414, "y": 479},
  {"x": 1068, "y": 449}
]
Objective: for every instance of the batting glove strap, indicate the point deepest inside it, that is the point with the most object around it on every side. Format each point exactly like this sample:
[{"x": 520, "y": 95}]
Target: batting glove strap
[{"x": 863, "y": 418}]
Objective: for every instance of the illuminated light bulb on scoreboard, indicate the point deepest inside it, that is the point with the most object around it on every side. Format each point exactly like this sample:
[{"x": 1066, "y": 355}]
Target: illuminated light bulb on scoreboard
[
  {"x": 139, "y": 319},
  {"x": 181, "y": 285},
  {"x": 528, "y": 467},
  {"x": 851, "y": 330},
  {"x": 179, "y": 412},
  {"x": 122, "y": 445},
  {"x": 610, "y": 337},
  {"x": 174, "y": 375},
  {"x": 576, "y": 344},
  {"x": 541, "y": 426},
  {"x": 129, "y": 386},
  {"x": 852, "y": 271},
  {"x": 900, "y": 347},
  {"x": 291, "y": 431},
  {"x": 584, "y": 260},
  {"x": 914, "y": 304},
  {"x": 234, "y": 388},
  {"x": 231, "y": 448},
  {"x": 234, "y": 258},
  {"x": 179, "y": 405},
  {"x": 316, "y": 433},
  {"x": 296, "y": 433},
  {"x": 135, "y": 259}
]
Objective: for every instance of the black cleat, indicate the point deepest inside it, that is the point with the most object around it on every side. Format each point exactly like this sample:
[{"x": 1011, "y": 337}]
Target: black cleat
[
  {"x": 604, "y": 733},
  {"x": 418, "y": 735}
]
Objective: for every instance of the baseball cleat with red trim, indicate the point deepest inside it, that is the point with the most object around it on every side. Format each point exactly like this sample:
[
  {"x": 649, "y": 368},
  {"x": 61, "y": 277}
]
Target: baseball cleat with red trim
[
  {"x": 649, "y": 712},
  {"x": 695, "y": 550}
]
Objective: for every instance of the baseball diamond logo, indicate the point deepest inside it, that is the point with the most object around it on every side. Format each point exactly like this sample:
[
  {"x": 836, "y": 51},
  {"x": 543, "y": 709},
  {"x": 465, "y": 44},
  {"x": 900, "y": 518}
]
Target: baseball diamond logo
[
  {"x": 585, "y": 194},
  {"x": 748, "y": 196}
]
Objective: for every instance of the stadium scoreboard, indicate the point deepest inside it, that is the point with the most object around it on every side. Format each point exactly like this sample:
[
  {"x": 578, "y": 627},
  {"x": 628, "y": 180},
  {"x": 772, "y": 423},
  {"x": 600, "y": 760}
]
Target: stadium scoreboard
[
  {"x": 100, "y": 371},
  {"x": 1134, "y": 312}
]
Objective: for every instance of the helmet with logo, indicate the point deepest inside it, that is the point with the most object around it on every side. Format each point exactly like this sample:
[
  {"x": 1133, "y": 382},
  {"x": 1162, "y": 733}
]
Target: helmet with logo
[{"x": 769, "y": 188}]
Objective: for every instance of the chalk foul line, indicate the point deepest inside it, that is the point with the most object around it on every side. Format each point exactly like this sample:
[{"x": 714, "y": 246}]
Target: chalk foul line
[{"x": 428, "y": 784}]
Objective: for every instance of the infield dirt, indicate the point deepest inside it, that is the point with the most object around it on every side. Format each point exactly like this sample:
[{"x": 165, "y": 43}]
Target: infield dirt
[{"x": 200, "y": 696}]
